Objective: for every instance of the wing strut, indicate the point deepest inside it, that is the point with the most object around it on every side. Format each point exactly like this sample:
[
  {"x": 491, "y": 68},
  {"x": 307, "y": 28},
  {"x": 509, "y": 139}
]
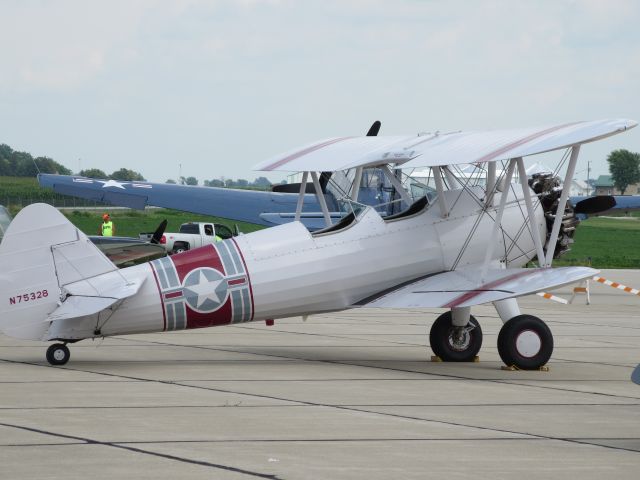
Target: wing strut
[
  {"x": 444, "y": 208},
  {"x": 491, "y": 183},
  {"x": 321, "y": 199},
  {"x": 575, "y": 151},
  {"x": 355, "y": 187},
  {"x": 396, "y": 184},
  {"x": 498, "y": 220},
  {"x": 303, "y": 190},
  {"x": 532, "y": 220}
]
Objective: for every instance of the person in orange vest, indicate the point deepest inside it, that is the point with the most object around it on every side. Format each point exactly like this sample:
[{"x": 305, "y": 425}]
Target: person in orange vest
[{"x": 107, "y": 229}]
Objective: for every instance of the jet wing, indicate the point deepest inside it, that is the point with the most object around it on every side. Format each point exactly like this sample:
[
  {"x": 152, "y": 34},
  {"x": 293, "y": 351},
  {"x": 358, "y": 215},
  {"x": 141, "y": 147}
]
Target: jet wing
[
  {"x": 465, "y": 287},
  {"x": 241, "y": 205},
  {"x": 429, "y": 150}
]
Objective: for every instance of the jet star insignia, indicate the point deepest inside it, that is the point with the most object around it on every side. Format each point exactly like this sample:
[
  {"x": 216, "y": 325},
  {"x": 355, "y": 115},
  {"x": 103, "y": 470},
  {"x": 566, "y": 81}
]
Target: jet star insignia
[
  {"x": 456, "y": 242},
  {"x": 112, "y": 183}
]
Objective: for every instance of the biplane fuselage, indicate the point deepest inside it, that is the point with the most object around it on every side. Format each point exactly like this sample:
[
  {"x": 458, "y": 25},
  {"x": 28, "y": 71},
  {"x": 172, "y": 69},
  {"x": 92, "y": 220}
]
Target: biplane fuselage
[{"x": 287, "y": 271}]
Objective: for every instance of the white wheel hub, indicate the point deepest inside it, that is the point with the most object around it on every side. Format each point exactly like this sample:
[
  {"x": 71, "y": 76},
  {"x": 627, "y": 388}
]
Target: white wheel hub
[
  {"x": 528, "y": 343},
  {"x": 59, "y": 354}
]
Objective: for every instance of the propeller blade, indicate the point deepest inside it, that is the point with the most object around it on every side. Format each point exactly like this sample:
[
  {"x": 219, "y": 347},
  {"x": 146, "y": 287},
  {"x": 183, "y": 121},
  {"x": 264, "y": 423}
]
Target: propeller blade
[
  {"x": 157, "y": 235},
  {"x": 597, "y": 204},
  {"x": 375, "y": 129}
]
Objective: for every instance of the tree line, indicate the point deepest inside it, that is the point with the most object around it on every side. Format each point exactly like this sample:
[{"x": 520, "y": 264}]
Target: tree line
[{"x": 22, "y": 164}]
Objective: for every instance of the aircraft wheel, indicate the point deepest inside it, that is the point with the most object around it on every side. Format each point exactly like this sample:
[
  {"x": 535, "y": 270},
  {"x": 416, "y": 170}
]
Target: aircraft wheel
[
  {"x": 525, "y": 342},
  {"x": 455, "y": 344},
  {"x": 58, "y": 354}
]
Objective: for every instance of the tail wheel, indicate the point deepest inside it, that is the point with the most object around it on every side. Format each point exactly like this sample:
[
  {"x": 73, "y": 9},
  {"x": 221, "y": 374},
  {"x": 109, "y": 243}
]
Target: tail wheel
[
  {"x": 525, "y": 342},
  {"x": 455, "y": 344},
  {"x": 58, "y": 354}
]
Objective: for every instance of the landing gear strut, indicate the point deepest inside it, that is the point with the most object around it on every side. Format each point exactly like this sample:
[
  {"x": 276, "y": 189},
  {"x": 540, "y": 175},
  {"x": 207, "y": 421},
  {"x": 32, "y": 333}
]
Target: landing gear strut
[
  {"x": 58, "y": 354},
  {"x": 455, "y": 343}
]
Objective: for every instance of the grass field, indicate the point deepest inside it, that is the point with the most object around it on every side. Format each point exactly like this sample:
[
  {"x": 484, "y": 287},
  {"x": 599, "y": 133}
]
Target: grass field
[{"x": 609, "y": 242}]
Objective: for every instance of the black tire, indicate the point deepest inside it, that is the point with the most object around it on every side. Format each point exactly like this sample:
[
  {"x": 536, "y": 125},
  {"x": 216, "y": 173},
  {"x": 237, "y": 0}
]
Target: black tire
[
  {"x": 58, "y": 354},
  {"x": 525, "y": 342},
  {"x": 180, "y": 247},
  {"x": 443, "y": 345}
]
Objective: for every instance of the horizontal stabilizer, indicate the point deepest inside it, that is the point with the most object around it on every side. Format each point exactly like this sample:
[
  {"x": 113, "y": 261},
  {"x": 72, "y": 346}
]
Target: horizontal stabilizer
[
  {"x": 465, "y": 287},
  {"x": 80, "y": 304}
]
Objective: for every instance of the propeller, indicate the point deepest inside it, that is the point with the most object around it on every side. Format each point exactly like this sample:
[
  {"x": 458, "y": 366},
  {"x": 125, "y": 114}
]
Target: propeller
[
  {"x": 593, "y": 205},
  {"x": 157, "y": 235}
]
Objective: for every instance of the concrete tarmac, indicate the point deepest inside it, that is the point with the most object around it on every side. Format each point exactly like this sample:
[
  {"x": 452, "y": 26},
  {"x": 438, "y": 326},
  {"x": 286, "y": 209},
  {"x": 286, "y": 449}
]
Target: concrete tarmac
[{"x": 350, "y": 395}]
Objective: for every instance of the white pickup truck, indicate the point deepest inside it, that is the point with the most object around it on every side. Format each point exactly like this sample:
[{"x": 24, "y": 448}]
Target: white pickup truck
[{"x": 193, "y": 235}]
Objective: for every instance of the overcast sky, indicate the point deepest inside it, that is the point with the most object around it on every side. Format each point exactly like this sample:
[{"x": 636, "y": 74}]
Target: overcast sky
[{"x": 218, "y": 86}]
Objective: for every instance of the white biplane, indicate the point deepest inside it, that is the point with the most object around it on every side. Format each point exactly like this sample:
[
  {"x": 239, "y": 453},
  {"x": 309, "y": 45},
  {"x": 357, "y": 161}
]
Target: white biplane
[{"x": 460, "y": 245}]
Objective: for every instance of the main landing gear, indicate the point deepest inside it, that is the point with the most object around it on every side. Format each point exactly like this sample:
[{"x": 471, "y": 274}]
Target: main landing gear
[
  {"x": 524, "y": 342},
  {"x": 58, "y": 354}
]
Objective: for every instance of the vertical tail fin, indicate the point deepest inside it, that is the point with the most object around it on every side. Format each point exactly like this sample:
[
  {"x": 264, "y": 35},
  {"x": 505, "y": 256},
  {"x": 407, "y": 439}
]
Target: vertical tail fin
[{"x": 40, "y": 253}]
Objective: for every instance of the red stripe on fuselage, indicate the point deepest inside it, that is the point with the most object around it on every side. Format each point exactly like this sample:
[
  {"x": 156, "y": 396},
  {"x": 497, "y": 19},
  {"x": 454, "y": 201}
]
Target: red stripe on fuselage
[
  {"x": 489, "y": 286},
  {"x": 206, "y": 256}
]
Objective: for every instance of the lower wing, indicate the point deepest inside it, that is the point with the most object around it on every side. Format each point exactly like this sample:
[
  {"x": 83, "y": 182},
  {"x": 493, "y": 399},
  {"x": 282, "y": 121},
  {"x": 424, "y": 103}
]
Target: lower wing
[{"x": 467, "y": 287}]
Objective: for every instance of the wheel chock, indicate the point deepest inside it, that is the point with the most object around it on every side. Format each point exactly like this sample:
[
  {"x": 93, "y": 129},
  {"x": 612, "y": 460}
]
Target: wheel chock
[
  {"x": 435, "y": 358},
  {"x": 513, "y": 368}
]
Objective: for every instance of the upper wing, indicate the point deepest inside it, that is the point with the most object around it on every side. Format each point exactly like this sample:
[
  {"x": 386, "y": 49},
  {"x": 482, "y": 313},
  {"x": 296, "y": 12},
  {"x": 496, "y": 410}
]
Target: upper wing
[
  {"x": 464, "y": 288},
  {"x": 436, "y": 149}
]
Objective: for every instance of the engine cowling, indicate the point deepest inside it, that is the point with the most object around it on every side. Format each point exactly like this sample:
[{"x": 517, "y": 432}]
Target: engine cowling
[{"x": 548, "y": 188}]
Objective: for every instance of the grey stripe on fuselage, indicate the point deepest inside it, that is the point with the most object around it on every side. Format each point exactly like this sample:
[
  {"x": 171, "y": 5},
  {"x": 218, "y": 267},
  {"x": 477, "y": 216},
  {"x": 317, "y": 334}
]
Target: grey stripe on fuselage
[
  {"x": 181, "y": 320},
  {"x": 162, "y": 276},
  {"x": 170, "y": 271},
  {"x": 236, "y": 302},
  {"x": 236, "y": 257},
  {"x": 246, "y": 301},
  {"x": 171, "y": 315},
  {"x": 227, "y": 259}
]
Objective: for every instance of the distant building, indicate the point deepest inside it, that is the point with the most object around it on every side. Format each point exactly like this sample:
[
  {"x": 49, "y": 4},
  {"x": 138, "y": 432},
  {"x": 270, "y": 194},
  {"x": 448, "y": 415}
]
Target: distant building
[
  {"x": 578, "y": 188},
  {"x": 604, "y": 186}
]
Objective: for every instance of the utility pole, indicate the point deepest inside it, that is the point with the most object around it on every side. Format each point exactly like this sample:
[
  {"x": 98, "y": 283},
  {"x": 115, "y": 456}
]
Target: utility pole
[{"x": 588, "y": 177}]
